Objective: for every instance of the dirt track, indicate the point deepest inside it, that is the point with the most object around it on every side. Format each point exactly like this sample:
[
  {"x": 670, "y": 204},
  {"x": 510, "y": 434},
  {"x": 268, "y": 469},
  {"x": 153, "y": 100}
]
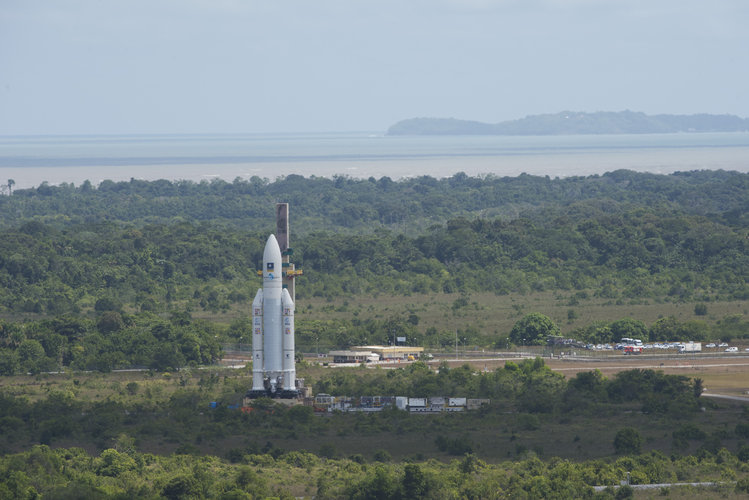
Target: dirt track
[
  {"x": 571, "y": 366},
  {"x": 613, "y": 364}
]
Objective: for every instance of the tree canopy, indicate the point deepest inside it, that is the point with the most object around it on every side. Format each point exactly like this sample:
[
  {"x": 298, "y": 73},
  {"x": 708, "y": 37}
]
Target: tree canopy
[{"x": 533, "y": 329}]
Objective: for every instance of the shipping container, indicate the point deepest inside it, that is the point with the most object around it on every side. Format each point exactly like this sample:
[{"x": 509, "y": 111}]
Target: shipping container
[{"x": 417, "y": 402}]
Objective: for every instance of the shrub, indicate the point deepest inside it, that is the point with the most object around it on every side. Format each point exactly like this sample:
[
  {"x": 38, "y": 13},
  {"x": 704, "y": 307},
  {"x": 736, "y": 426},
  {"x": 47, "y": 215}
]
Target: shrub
[
  {"x": 382, "y": 456},
  {"x": 742, "y": 430},
  {"x": 625, "y": 491},
  {"x": 454, "y": 446},
  {"x": 627, "y": 441},
  {"x": 742, "y": 485}
]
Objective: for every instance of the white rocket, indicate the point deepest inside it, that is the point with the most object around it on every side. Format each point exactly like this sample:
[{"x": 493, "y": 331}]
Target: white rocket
[{"x": 273, "y": 371}]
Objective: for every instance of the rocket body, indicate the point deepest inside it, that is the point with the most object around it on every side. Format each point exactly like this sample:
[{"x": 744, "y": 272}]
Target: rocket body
[
  {"x": 272, "y": 339},
  {"x": 273, "y": 369}
]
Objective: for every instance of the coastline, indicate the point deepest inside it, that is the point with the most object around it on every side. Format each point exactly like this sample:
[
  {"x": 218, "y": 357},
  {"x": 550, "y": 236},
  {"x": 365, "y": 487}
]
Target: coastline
[{"x": 364, "y": 157}]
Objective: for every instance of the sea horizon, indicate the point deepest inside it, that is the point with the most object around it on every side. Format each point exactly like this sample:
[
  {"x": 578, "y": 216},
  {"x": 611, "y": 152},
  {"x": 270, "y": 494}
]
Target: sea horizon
[{"x": 73, "y": 159}]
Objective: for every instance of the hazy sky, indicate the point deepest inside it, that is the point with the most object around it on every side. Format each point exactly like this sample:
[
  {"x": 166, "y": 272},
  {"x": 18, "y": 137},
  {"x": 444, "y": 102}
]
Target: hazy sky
[{"x": 191, "y": 66}]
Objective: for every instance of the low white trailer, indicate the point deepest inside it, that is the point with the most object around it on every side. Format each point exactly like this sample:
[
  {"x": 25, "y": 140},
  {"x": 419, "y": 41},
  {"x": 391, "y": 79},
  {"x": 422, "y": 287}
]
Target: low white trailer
[{"x": 690, "y": 347}]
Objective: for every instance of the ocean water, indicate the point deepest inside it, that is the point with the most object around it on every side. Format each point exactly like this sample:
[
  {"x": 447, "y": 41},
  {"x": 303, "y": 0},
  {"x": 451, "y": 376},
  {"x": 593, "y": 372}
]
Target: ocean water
[{"x": 30, "y": 161}]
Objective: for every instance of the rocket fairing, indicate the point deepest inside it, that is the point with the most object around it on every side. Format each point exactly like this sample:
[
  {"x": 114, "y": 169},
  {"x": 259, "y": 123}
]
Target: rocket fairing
[{"x": 273, "y": 369}]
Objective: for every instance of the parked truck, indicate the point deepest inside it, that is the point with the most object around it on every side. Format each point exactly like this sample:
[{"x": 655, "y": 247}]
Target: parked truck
[
  {"x": 633, "y": 349},
  {"x": 690, "y": 347}
]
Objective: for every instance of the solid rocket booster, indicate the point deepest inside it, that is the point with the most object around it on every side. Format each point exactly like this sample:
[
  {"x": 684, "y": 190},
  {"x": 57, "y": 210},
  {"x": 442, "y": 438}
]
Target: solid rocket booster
[
  {"x": 289, "y": 368},
  {"x": 258, "y": 384},
  {"x": 273, "y": 367}
]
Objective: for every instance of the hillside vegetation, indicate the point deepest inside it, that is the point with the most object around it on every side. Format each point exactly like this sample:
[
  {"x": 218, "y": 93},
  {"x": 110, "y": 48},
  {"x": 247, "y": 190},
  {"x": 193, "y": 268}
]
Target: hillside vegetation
[{"x": 572, "y": 122}]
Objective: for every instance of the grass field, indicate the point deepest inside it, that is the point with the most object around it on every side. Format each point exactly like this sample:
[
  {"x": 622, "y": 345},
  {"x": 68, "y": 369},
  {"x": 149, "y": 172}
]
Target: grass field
[{"x": 494, "y": 315}]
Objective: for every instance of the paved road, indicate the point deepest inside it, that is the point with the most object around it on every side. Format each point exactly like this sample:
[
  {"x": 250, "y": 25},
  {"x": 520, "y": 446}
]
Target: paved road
[
  {"x": 659, "y": 366},
  {"x": 726, "y": 396},
  {"x": 662, "y": 485}
]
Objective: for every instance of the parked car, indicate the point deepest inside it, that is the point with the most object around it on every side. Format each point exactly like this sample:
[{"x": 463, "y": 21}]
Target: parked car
[
  {"x": 732, "y": 349},
  {"x": 722, "y": 344},
  {"x": 711, "y": 345}
]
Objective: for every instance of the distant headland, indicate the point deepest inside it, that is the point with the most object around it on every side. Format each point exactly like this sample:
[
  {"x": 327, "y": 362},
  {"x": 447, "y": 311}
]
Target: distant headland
[{"x": 572, "y": 123}]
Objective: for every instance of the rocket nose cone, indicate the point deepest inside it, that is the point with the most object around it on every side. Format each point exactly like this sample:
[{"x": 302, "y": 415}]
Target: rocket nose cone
[
  {"x": 271, "y": 241},
  {"x": 272, "y": 255},
  {"x": 271, "y": 247}
]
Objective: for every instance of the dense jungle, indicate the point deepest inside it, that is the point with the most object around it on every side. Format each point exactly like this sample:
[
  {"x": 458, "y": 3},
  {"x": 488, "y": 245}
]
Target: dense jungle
[{"x": 156, "y": 277}]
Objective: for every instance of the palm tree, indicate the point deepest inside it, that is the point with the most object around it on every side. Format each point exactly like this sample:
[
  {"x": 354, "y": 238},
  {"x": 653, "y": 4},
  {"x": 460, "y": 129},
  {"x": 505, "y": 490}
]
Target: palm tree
[{"x": 11, "y": 183}]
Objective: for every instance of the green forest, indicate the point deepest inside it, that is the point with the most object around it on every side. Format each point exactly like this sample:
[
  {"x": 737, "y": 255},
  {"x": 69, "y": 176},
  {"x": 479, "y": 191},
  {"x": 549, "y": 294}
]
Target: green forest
[
  {"x": 128, "y": 473},
  {"x": 102, "y": 277},
  {"x": 158, "y": 276}
]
